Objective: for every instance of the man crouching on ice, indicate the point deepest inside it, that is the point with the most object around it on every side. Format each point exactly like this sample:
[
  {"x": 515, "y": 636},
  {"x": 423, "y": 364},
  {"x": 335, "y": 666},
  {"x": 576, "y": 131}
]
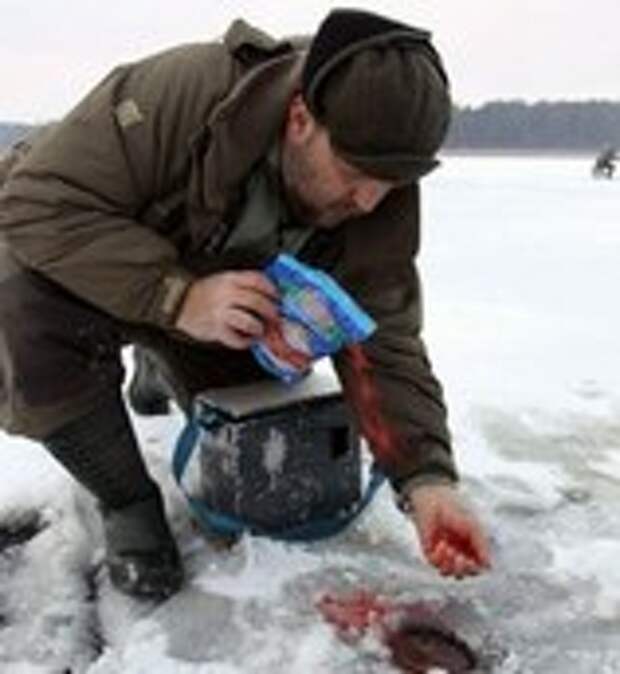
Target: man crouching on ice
[{"x": 144, "y": 216}]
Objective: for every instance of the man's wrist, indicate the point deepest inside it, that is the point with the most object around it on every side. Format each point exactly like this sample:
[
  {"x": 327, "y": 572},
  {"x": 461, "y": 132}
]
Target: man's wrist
[
  {"x": 403, "y": 496},
  {"x": 173, "y": 290}
]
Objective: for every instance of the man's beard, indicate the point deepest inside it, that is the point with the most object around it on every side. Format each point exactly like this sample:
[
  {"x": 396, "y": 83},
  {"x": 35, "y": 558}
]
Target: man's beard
[
  {"x": 301, "y": 211},
  {"x": 297, "y": 172}
]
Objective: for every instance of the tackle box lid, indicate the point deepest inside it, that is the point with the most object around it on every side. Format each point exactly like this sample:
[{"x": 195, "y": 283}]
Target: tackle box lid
[{"x": 257, "y": 398}]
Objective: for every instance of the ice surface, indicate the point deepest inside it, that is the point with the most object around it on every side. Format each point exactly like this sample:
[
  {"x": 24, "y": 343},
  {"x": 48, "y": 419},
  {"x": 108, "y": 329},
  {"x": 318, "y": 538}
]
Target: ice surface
[{"x": 520, "y": 269}]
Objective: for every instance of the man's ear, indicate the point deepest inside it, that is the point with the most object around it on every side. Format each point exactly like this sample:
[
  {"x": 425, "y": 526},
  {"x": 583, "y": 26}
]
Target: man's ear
[{"x": 300, "y": 124}]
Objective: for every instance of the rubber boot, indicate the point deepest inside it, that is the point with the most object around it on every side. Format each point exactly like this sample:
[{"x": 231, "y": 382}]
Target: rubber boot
[
  {"x": 148, "y": 394},
  {"x": 100, "y": 451},
  {"x": 142, "y": 557}
]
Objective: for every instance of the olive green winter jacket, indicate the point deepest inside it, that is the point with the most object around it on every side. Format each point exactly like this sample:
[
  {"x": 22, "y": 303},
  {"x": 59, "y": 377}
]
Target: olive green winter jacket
[{"x": 135, "y": 192}]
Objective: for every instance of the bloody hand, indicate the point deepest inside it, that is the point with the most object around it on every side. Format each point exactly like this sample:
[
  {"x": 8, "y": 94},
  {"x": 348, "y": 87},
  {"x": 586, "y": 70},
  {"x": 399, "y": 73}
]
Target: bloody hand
[{"x": 451, "y": 536}]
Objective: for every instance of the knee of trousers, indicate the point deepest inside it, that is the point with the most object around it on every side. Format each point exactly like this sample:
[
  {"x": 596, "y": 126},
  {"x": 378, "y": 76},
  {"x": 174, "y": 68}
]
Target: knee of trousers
[{"x": 58, "y": 356}]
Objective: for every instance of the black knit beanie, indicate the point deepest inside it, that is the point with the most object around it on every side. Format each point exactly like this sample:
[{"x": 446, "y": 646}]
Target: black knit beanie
[{"x": 380, "y": 89}]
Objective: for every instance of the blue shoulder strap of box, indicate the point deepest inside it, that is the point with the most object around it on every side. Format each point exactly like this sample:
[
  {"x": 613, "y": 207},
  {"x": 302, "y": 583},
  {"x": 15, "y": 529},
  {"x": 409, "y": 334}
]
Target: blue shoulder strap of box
[{"x": 208, "y": 421}]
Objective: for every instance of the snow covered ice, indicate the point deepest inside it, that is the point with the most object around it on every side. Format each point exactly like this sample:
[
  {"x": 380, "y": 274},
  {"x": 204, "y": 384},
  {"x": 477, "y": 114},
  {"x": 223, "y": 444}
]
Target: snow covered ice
[{"x": 520, "y": 269}]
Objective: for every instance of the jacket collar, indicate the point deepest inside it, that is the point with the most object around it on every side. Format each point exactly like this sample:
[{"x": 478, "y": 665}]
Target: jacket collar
[{"x": 238, "y": 133}]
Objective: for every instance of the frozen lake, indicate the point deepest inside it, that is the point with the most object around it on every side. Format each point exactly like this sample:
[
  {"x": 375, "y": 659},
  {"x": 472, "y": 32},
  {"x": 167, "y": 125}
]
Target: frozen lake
[{"x": 520, "y": 267}]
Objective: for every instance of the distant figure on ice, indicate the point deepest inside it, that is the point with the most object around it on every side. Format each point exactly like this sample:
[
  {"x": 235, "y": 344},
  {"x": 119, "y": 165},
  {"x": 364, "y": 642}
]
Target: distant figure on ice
[
  {"x": 145, "y": 217},
  {"x": 605, "y": 163}
]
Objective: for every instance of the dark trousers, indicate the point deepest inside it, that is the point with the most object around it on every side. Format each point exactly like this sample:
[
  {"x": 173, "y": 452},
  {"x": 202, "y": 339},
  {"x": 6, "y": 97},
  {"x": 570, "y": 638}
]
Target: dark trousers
[{"x": 59, "y": 355}]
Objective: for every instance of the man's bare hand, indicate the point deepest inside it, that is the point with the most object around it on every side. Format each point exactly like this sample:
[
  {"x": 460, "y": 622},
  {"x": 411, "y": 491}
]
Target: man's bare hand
[
  {"x": 450, "y": 534},
  {"x": 230, "y": 308}
]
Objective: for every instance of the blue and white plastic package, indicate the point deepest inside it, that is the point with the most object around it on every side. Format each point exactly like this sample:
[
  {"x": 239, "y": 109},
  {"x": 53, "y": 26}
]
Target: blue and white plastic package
[{"x": 317, "y": 318}]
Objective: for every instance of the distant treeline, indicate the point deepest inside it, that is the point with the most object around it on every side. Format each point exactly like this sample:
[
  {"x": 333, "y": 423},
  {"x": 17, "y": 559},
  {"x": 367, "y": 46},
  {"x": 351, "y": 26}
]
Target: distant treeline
[
  {"x": 9, "y": 133},
  {"x": 506, "y": 125},
  {"x": 515, "y": 125}
]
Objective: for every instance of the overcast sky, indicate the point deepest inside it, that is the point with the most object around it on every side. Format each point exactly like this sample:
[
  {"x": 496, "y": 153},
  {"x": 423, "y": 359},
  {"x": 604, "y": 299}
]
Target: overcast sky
[{"x": 52, "y": 51}]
